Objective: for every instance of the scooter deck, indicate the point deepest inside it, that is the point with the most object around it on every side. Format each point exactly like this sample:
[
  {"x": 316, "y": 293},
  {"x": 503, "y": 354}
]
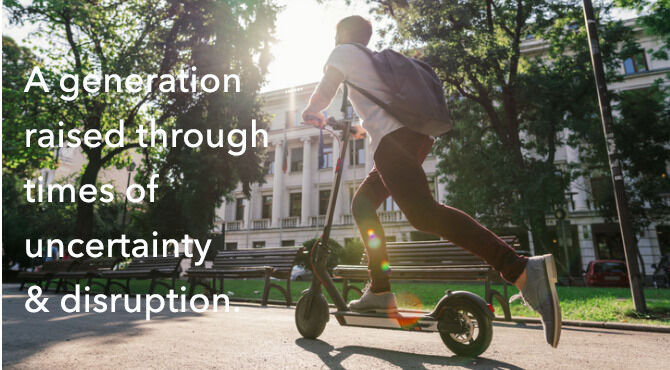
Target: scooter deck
[{"x": 402, "y": 320}]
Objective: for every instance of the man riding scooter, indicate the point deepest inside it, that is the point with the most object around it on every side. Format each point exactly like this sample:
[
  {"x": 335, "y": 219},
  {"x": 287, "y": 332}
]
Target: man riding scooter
[{"x": 399, "y": 151}]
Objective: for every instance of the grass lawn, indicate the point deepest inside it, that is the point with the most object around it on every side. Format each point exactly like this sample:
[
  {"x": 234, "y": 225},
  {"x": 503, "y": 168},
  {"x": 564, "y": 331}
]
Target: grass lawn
[{"x": 577, "y": 303}]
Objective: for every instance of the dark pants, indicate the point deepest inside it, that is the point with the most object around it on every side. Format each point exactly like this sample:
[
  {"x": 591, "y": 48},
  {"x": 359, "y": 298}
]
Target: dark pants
[{"x": 397, "y": 172}]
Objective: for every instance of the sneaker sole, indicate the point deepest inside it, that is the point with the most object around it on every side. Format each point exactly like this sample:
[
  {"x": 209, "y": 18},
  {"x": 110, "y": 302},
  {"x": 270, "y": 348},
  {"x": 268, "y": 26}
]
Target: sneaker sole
[{"x": 552, "y": 278}]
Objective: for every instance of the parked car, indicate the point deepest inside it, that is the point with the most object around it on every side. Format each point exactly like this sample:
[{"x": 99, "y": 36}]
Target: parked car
[
  {"x": 300, "y": 273},
  {"x": 606, "y": 273}
]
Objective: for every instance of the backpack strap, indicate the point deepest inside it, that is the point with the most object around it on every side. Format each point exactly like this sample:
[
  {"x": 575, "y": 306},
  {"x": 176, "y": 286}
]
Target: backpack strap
[
  {"x": 387, "y": 108},
  {"x": 368, "y": 95}
]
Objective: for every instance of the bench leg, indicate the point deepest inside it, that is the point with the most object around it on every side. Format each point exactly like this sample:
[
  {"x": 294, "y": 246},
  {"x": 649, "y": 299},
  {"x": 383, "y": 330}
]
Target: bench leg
[
  {"x": 345, "y": 289},
  {"x": 191, "y": 287},
  {"x": 266, "y": 289},
  {"x": 59, "y": 285},
  {"x": 221, "y": 284},
  {"x": 289, "y": 299},
  {"x": 152, "y": 285},
  {"x": 491, "y": 294},
  {"x": 107, "y": 286},
  {"x": 46, "y": 286},
  {"x": 23, "y": 283},
  {"x": 127, "y": 286}
]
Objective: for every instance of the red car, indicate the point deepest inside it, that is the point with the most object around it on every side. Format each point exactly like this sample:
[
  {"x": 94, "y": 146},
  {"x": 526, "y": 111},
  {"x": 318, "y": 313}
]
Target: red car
[{"x": 606, "y": 273}]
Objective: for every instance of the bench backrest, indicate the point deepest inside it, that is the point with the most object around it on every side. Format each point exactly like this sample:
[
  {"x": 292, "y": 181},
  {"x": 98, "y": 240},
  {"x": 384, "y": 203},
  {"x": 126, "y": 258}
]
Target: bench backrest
[
  {"x": 58, "y": 265},
  {"x": 434, "y": 253},
  {"x": 168, "y": 264},
  {"x": 95, "y": 264},
  {"x": 282, "y": 259}
]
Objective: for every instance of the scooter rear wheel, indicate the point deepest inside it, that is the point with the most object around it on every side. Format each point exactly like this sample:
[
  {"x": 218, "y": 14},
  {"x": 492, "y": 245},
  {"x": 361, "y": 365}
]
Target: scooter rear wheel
[
  {"x": 468, "y": 329},
  {"x": 311, "y": 315}
]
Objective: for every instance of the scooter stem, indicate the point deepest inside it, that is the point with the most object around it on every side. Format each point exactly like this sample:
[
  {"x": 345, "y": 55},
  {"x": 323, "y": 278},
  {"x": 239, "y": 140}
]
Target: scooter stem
[{"x": 320, "y": 256}]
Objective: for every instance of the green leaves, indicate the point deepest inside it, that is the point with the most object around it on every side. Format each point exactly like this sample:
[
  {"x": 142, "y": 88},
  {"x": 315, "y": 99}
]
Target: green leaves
[{"x": 519, "y": 76}]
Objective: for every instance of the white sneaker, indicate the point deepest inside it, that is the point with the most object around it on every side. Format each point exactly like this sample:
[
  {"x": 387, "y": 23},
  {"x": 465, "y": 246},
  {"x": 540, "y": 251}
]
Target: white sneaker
[{"x": 374, "y": 302}]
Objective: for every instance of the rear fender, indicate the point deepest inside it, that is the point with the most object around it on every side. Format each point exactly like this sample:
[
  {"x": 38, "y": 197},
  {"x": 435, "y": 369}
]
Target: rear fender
[{"x": 458, "y": 295}]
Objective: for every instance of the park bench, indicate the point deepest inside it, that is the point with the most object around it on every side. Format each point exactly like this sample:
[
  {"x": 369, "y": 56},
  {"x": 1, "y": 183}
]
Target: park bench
[
  {"x": 46, "y": 272},
  {"x": 85, "y": 269},
  {"x": 438, "y": 260},
  {"x": 148, "y": 268},
  {"x": 264, "y": 263}
]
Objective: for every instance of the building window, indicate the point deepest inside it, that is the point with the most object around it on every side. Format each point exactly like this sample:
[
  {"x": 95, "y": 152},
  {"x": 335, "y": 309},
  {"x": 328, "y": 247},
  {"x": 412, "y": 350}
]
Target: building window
[
  {"x": 231, "y": 246},
  {"x": 601, "y": 190},
  {"x": 324, "y": 197},
  {"x": 635, "y": 64},
  {"x": 432, "y": 187},
  {"x": 296, "y": 159},
  {"x": 266, "y": 212},
  {"x": 259, "y": 244},
  {"x": 295, "y": 204},
  {"x": 287, "y": 243},
  {"x": 326, "y": 160},
  {"x": 357, "y": 152},
  {"x": 389, "y": 205},
  {"x": 239, "y": 209},
  {"x": 270, "y": 163},
  {"x": 290, "y": 118},
  {"x": 663, "y": 233}
]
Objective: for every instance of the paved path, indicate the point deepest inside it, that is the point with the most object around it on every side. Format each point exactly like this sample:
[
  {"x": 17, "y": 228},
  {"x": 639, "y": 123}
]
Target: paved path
[{"x": 256, "y": 337}]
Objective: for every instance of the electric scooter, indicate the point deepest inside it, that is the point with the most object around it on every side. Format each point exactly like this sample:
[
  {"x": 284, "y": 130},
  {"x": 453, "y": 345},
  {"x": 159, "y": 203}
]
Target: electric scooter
[{"x": 463, "y": 319}]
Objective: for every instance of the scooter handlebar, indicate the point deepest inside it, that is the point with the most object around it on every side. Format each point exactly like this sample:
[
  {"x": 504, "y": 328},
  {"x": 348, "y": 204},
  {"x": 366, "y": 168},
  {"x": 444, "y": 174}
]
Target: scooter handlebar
[{"x": 336, "y": 124}]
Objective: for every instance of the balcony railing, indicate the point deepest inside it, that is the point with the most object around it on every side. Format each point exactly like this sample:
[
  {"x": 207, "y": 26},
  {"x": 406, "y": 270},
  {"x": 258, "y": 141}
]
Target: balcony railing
[
  {"x": 317, "y": 221},
  {"x": 234, "y": 225},
  {"x": 260, "y": 224},
  {"x": 390, "y": 216},
  {"x": 347, "y": 219},
  {"x": 290, "y": 222}
]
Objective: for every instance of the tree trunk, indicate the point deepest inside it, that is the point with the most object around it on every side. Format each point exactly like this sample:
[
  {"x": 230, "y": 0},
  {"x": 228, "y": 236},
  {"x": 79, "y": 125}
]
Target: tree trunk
[
  {"x": 538, "y": 229},
  {"x": 85, "y": 215}
]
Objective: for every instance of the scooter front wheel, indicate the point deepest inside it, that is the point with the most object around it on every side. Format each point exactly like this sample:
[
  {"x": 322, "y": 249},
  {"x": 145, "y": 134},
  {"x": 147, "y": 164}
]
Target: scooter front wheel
[
  {"x": 311, "y": 315},
  {"x": 465, "y": 328}
]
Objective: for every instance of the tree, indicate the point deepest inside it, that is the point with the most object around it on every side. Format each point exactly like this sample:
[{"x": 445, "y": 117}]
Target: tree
[
  {"x": 223, "y": 37},
  {"x": 121, "y": 37},
  {"x": 511, "y": 106},
  {"x": 642, "y": 134},
  {"x": 21, "y": 111},
  {"x": 654, "y": 20}
]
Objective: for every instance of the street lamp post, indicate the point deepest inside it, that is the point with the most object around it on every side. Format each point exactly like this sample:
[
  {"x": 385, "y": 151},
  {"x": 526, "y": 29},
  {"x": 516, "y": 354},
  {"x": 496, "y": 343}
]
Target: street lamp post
[
  {"x": 629, "y": 243},
  {"x": 131, "y": 168}
]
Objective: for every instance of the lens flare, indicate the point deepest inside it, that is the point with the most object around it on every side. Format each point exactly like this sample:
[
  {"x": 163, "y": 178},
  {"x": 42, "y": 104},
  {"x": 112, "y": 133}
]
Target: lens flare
[
  {"x": 385, "y": 266},
  {"x": 374, "y": 243},
  {"x": 412, "y": 303},
  {"x": 371, "y": 232}
]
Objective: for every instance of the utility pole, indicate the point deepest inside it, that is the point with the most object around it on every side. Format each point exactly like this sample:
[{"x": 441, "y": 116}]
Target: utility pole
[{"x": 629, "y": 242}]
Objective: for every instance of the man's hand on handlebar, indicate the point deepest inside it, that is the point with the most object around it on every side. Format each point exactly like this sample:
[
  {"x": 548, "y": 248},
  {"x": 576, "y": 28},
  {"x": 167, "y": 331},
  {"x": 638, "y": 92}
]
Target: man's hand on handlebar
[
  {"x": 316, "y": 119},
  {"x": 357, "y": 132}
]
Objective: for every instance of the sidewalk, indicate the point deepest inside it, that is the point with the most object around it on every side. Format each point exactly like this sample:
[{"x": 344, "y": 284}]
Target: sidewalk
[{"x": 258, "y": 337}]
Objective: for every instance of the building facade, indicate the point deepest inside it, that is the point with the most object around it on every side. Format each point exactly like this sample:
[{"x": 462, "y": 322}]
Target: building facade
[{"x": 289, "y": 207}]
